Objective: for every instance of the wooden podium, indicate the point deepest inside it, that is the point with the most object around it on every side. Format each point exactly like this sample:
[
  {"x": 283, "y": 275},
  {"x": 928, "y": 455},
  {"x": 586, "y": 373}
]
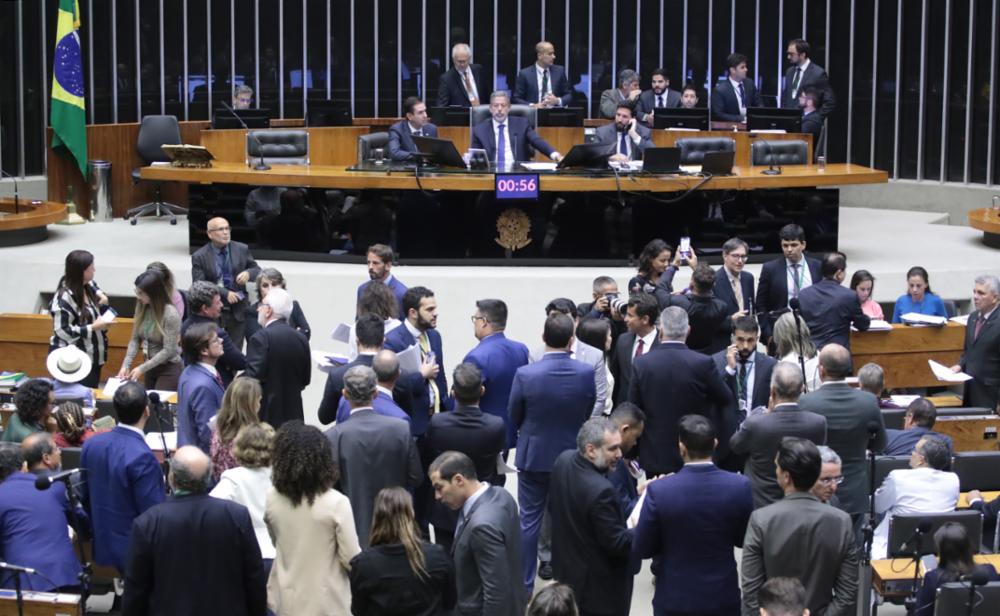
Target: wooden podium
[
  {"x": 904, "y": 351},
  {"x": 40, "y": 603}
]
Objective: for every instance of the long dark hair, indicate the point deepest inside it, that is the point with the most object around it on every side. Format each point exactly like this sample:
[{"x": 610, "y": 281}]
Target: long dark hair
[
  {"x": 916, "y": 270},
  {"x": 649, "y": 252},
  {"x": 302, "y": 465},
  {"x": 77, "y": 262},
  {"x": 594, "y": 332},
  {"x": 168, "y": 277},
  {"x": 954, "y": 552},
  {"x": 378, "y": 299},
  {"x": 393, "y": 522},
  {"x": 151, "y": 283}
]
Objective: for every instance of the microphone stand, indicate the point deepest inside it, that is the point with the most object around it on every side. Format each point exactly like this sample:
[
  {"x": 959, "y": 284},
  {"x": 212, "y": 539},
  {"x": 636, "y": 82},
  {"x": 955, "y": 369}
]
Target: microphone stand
[
  {"x": 770, "y": 159},
  {"x": 911, "y": 601},
  {"x": 16, "y": 196},
  {"x": 865, "y": 581},
  {"x": 18, "y": 593},
  {"x": 165, "y": 465},
  {"x": 86, "y": 567},
  {"x": 261, "y": 166},
  {"x": 795, "y": 305}
]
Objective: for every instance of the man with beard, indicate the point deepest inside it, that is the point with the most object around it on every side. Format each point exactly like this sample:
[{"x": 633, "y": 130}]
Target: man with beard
[
  {"x": 745, "y": 370},
  {"x": 629, "y": 138},
  {"x": 380, "y": 260},
  {"x": 661, "y": 96}
]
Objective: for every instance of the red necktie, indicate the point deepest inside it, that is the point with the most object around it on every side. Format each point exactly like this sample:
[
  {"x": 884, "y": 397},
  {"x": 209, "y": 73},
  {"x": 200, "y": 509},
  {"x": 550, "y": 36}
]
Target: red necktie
[
  {"x": 639, "y": 348},
  {"x": 979, "y": 327},
  {"x": 218, "y": 379}
]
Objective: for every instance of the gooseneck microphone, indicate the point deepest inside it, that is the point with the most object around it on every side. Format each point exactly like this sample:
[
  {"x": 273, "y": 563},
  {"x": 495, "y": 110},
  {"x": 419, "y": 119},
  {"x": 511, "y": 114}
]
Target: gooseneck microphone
[
  {"x": 261, "y": 166},
  {"x": 44, "y": 482}
]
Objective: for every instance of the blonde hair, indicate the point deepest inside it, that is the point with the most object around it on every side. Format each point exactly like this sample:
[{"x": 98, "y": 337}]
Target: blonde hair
[
  {"x": 239, "y": 408},
  {"x": 253, "y": 444}
]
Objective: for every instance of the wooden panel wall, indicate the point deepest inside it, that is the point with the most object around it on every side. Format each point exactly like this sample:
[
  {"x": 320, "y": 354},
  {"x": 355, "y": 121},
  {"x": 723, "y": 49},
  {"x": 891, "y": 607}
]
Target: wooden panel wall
[{"x": 334, "y": 145}]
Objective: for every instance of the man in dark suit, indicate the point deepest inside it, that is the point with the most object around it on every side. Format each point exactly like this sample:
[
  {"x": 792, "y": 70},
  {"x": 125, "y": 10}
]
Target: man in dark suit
[
  {"x": 670, "y": 381},
  {"x": 194, "y": 554},
  {"x": 590, "y": 542},
  {"x": 801, "y": 537},
  {"x": 631, "y": 422},
  {"x": 380, "y": 260},
  {"x": 812, "y": 119},
  {"x": 544, "y": 83},
  {"x": 734, "y": 286},
  {"x": 852, "y": 417},
  {"x": 205, "y": 306},
  {"x": 370, "y": 332},
  {"x": 372, "y": 451},
  {"x": 230, "y": 266},
  {"x": 784, "y": 278},
  {"x": 981, "y": 357},
  {"x": 659, "y": 97},
  {"x": 200, "y": 389},
  {"x": 497, "y": 358},
  {"x": 829, "y": 309},
  {"x": 600, "y": 308},
  {"x": 625, "y": 135},
  {"x": 387, "y": 372},
  {"x": 459, "y": 86},
  {"x": 917, "y": 423},
  {"x": 487, "y": 546},
  {"x": 802, "y": 74},
  {"x": 549, "y": 401},
  {"x": 278, "y": 357},
  {"x": 735, "y": 95},
  {"x": 416, "y": 124},
  {"x": 467, "y": 429},
  {"x": 706, "y": 313},
  {"x": 627, "y": 92},
  {"x": 745, "y": 370},
  {"x": 123, "y": 477},
  {"x": 759, "y": 436},
  {"x": 691, "y": 521},
  {"x": 508, "y": 139},
  {"x": 642, "y": 337}
]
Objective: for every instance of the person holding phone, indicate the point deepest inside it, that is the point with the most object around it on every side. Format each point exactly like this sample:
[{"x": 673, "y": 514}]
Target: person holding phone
[
  {"x": 76, "y": 314},
  {"x": 628, "y": 137}
]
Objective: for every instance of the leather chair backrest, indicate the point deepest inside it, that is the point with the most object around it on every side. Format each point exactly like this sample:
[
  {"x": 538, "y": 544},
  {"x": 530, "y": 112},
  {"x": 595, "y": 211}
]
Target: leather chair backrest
[
  {"x": 155, "y": 131},
  {"x": 977, "y": 470},
  {"x": 71, "y": 457},
  {"x": 886, "y": 464},
  {"x": 902, "y": 527},
  {"x": 282, "y": 147},
  {"x": 693, "y": 149},
  {"x": 767, "y": 152},
  {"x": 482, "y": 112},
  {"x": 368, "y": 143},
  {"x": 893, "y": 418}
]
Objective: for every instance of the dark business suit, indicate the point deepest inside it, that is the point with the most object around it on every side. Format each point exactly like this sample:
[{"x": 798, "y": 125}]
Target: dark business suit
[
  {"x": 400, "y": 339},
  {"x": 384, "y": 405},
  {"x": 812, "y": 124},
  {"x": 401, "y": 146},
  {"x": 902, "y": 442},
  {"x": 772, "y": 289},
  {"x": 123, "y": 481},
  {"x": 621, "y": 364},
  {"x": 590, "y": 542},
  {"x": 849, "y": 412},
  {"x": 691, "y": 521},
  {"x": 981, "y": 359},
  {"x": 204, "y": 267},
  {"x": 232, "y": 360},
  {"x": 667, "y": 383},
  {"x": 203, "y": 545},
  {"x": 758, "y": 439},
  {"x": 333, "y": 390},
  {"x": 829, "y": 310},
  {"x": 498, "y": 358},
  {"x": 199, "y": 398},
  {"x": 278, "y": 357},
  {"x": 372, "y": 452},
  {"x": 762, "y": 368},
  {"x": 813, "y": 77},
  {"x": 610, "y": 135},
  {"x": 522, "y": 139},
  {"x": 487, "y": 554},
  {"x": 726, "y": 102},
  {"x": 451, "y": 88},
  {"x": 723, "y": 290},
  {"x": 706, "y": 315},
  {"x": 647, "y": 102},
  {"x": 526, "y": 88},
  {"x": 297, "y": 320}
]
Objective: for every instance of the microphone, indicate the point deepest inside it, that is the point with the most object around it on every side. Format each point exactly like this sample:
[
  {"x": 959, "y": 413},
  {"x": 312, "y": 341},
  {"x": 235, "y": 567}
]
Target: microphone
[
  {"x": 770, "y": 159},
  {"x": 44, "y": 482},
  {"x": 154, "y": 398},
  {"x": 260, "y": 149},
  {"x": 16, "y": 197},
  {"x": 17, "y": 568},
  {"x": 924, "y": 526}
]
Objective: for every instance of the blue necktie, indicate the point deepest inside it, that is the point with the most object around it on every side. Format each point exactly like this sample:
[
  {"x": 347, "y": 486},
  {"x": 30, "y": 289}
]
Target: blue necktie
[
  {"x": 623, "y": 145},
  {"x": 743, "y": 96},
  {"x": 227, "y": 270},
  {"x": 501, "y": 145}
]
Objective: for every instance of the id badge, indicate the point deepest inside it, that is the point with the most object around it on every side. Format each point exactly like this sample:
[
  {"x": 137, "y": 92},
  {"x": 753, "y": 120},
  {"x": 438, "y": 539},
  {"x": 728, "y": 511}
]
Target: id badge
[{"x": 743, "y": 405}]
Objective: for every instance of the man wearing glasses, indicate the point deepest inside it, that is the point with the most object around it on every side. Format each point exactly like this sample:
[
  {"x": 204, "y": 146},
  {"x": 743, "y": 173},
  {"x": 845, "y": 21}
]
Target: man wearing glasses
[
  {"x": 733, "y": 286},
  {"x": 229, "y": 265},
  {"x": 831, "y": 475}
]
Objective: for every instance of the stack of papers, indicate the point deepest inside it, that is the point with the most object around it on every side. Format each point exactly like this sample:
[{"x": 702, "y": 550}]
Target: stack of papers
[
  {"x": 944, "y": 373},
  {"x": 327, "y": 361},
  {"x": 915, "y": 318},
  {"x": 540, "y": 166},
  {"x": 962, "y": 320},
  {"x": 877, "y": 325},
  {"x": 903, "y": 401}
]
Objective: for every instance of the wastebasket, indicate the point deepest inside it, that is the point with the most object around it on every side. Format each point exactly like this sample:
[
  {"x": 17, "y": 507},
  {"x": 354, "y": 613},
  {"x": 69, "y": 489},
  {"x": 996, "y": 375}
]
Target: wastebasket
[{"x": 100, "y": 190}]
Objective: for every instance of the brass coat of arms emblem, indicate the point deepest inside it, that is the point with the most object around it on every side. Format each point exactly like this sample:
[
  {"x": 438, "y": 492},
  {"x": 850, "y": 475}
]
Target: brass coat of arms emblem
[{"x": 513, "y": 226}]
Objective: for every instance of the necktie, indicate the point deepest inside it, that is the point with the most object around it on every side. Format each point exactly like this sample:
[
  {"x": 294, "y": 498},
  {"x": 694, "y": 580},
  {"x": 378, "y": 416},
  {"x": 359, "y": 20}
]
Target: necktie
[
  {"x": 639, "y": 348},
  {"x": 743, "y": 95},
  {"x": 796, "y": 79},
  {"x": 738, "y": 292},
  {"x": 468, "y": 88},
  {"x": 227, "y": 269},
  {"x": 418, "y": 133},
  {"x": 623, "y": 145},
  {"x": 545, "y": 85},
  {"x": 979, "y": 327},
  {"x": 744, "y": 372},
  {"x": 501, "y": 145},
  {"x": 659, "y": 100},
  {"x": 218, "y": 379},
  {"x": 459, "y": 525},
  {"x": 796, "y": 280},
  {"x": 425, "y": 348}
]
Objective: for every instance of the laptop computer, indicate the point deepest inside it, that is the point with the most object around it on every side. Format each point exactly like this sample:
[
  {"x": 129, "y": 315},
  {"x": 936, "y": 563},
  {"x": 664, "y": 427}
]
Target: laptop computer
[
  {"x": 587, "y": 156},
  {"x": 439, "y": 151},
  {"x": 718, "y": 163},
  {"x": 662, "y": 160}
]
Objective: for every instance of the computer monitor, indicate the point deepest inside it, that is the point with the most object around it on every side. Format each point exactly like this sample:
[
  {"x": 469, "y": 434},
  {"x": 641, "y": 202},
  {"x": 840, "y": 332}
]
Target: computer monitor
[
  {"x": 328, "y": 113},
  {"x": 449, "y": 116},
  {"x": 681, "y": 117},
  {"x": 587, "y": 156},
  {"x": 253, "y": 118},
  {"x": 560, "y": 116},
  {"x": 718, "y": 163},
  {"x": 439, "y": 151},
  {"x": 769, "y": 118}
]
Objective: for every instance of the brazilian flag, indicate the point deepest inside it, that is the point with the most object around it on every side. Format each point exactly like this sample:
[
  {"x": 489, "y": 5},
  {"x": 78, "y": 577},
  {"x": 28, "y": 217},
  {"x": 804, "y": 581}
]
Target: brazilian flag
[{"x": 68, "y": 118}]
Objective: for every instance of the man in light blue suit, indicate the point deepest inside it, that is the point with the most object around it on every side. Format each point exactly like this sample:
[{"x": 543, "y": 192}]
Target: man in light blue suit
[
  {"x": 380, "y": 260},
  {"x": 416, "y": 124},
  {"x": 549, "y": 401},
  {"x": 123, "y": 477},
  {"x": 200, "y": 389},
  {"x": 386, "y": 367},
  {"x": 497, "y": 358},
  {"x": 544, "y": 83}
]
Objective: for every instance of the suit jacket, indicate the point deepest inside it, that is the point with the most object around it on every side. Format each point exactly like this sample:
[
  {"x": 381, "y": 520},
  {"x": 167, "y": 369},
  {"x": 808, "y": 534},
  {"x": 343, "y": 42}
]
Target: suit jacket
[
  {"x": 232, "y": 360},
  {"x": 609, "y": 135},
  {"x": 278, "y": 357},
  {"x": 33, "y": 533},
  {"x": 522, "y": 139},
  {"x": 621, "y": 364},
  {"x": 203, "y": 267},
  {"x": 590, "y": 542},
  {"x": 706, "y": 316},
  {"x": 829, "y": 310},
  {"x": 692, "y": 520},
  {"x": 595, "y": 359},
  {"x": 395, "y": 285},
  {"x": 451, "y": 88},
  {"x": 723, "y": 290},
  {"x": 549, "y": 401},
  {"x": 902, "y": 442},
  {"x": 383, "y": 405},
  {"x": 647, "y": 102},
  {"x": 803, "y": 538},
  {"x": 981, "y": 359},
  {"x": 526, "y": 87},
  {"x": 202, "y": 544},
  {"x": 401, "y": 146},
  {"x": 772, "y": 290},
  {"x": 813, "y": 77},
  {"x": 849, "y": 412},
  {"x": 296, "y": 320},
  {"x": 726, "y": 102},
  {"x": 498, "y": 358},
  {"x": 667, "y": 383},
  {"x": 763, "y": 366},
  {"x": 909, "y": 491},
  {"x": 812, "y": 124},
  {"x": 609, "y": 103},
  {"x": 400, "y": 339},
  {"x": 487, "y": 554},
  {"x": 758, "y": 439},
  {"x": 199, "y": 398},
  {"x": 373, "y": 452},
  {"x": 123, "y": 481},
  {"x": 329, "y": 407},
  {"x": 383, "y": 582}
]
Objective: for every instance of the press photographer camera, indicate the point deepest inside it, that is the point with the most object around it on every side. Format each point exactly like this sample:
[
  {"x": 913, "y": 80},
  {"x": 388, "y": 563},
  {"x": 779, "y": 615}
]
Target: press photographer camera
[{"x": 612, "y": 304}]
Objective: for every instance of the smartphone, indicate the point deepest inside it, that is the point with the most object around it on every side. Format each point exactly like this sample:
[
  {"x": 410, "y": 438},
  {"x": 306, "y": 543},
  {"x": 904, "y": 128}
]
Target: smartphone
[{"x": 685, "y": 248}]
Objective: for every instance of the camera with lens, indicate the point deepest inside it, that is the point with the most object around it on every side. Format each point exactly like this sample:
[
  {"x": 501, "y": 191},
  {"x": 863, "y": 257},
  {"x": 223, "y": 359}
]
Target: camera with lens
[{"x": 616, "y": 303}]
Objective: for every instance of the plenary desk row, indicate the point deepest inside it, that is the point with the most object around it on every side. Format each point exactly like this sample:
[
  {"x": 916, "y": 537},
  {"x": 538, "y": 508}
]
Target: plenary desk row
[
  {"x": 904, "y": 351},
  {"x": 893, "y": 577}
]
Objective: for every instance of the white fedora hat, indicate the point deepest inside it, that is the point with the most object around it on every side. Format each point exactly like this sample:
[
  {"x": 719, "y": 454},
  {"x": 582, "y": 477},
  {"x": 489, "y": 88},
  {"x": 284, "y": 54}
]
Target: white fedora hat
[{"x": 69, "y": 364}]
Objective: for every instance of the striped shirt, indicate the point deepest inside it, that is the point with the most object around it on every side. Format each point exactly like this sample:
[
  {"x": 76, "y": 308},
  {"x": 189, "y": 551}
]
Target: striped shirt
[{"x": 70, "y": 325}]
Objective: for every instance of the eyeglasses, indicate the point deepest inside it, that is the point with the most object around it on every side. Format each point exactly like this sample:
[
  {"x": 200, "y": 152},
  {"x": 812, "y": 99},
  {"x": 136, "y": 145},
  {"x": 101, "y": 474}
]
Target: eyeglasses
[
  {"x": 738, "y": 257},
  {"x": 476, "y": 317},
  {"x": 832, "y": 480},
  {"x": 218, "y": 229}
]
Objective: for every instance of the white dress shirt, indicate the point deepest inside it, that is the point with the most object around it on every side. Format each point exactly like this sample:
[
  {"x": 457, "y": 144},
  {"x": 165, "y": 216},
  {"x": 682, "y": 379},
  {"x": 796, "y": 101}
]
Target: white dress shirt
[
  {"x": 539, "y": 72},
  {"x": 736, "y": 88},
  {"x": 647, "y": 342},
  {"x": 802, "y": 74},
  {"x": 746, "y": 399},
  {"x": 912, "y": 490},
  {"x": 249, "y": 487},
  {"x": 805, "y": 278},
  {"x": 508, "y": 153}
]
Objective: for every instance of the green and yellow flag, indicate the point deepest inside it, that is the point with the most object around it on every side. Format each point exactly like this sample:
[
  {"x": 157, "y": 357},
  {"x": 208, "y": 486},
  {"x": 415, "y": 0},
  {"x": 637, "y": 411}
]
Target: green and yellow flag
[{"x": 68, "y": 118}]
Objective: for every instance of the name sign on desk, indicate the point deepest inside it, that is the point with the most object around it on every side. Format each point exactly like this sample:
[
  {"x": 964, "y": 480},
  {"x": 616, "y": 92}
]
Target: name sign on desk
[{"x": 522, "y": 186}]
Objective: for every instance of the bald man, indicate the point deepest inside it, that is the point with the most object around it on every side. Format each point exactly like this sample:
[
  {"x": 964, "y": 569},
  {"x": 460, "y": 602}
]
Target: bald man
[
  {"x": 544, "y": 83},
  {"x": 230, "y": 266},
  {"x": 194, "y": 554}
]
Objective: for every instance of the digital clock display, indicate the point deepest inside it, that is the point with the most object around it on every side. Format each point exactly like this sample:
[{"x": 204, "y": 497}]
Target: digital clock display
[{"x": 517, "y": 186}]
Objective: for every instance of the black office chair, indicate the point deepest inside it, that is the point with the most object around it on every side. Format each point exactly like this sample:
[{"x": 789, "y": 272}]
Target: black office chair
[
  {"x": 369, "y": 143},
  {"x": 693, "y": 149},
  {"x": 482, "y": 112},
  {"x": 953, "y": 599},
  {"x": 977, "y": 470},
  {"x": 893, "y": 418},
  {"x": 950, "y": 308},
  {"x": 280, "y": 147},
  {"x": 886, "y": 464},
  {"x": 903, "y": 527},
  {"x": 71, "y": 457},
  {"x": 155, "y": 132},
  {"x": 767, "y": 152}
]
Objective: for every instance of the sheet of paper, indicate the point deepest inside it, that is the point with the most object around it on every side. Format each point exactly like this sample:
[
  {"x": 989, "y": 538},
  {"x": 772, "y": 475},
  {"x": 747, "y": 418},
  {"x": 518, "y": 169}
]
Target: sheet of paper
[
  {"x": 156, "y": 443},
  {"x": 693, "y": 169},
  {"x": 342, "y": 333},
  {"x": 633, "y": 517},
  {"x": 962, "y": 320},
  {"x": 409, "y": 359},
  {"x": 111, "y": 387},
  {"x": 107, "y": 317},
  {"x": 539, "y": 166},
  {"x": 916, "y": 318},
  {"x": 327, "y": 361},
  {"x": 944, "y": 373},
  {"x": 680, "y": 128},
  {"x": 878, "y": 325},
  {"x": 504, "y": 468},
  {"x": 903, "y": 401}
]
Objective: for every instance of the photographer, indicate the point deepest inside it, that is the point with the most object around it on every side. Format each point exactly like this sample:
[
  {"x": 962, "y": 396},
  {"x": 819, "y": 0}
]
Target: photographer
[{"x": 607, "y": 304}]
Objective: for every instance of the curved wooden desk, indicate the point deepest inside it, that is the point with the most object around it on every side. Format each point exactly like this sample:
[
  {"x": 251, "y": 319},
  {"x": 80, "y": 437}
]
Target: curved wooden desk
[
  {"x": 987, "y": 220},
  {"x": 30, "y": 224}
]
